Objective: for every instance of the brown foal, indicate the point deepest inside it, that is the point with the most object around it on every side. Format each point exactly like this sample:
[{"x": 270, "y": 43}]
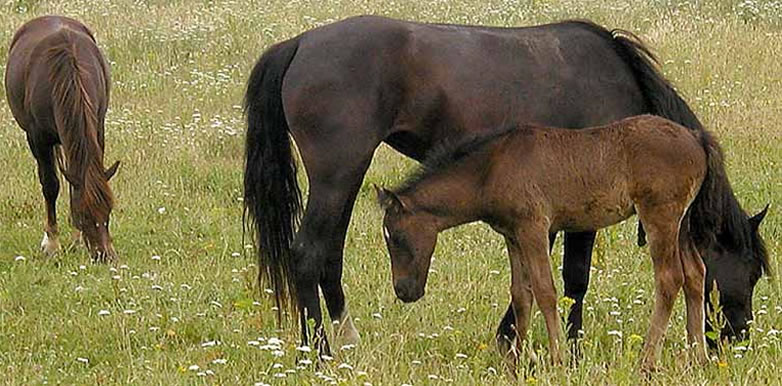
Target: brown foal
[{"x": 529, "y": 182}]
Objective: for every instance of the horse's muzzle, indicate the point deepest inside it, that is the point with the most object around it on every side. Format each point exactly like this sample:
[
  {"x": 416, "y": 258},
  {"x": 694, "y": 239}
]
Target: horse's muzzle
[{"x": 408, "y": 290}]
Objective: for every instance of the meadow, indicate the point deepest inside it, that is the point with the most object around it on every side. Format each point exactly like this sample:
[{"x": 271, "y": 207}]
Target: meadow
[{"x": 182, "y": 304}]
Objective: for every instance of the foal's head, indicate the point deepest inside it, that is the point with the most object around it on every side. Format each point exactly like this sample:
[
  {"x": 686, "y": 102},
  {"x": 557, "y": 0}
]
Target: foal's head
[
  {"x": 410, "y": 237},
  {"x": 91, "y": 205},
  {"x": 736, "y": 270}
]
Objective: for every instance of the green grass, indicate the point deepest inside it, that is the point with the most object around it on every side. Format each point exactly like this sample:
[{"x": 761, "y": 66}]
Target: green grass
[{"x": 178, "y": 71}]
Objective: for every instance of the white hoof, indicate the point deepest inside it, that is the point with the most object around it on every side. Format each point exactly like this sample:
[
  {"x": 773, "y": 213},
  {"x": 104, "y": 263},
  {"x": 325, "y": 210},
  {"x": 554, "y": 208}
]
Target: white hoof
[{"x": 49, "y": 246}]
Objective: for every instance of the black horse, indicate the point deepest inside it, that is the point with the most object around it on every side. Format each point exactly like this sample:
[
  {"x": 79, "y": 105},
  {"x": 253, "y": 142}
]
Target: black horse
[{"x": 342, "y": 89}]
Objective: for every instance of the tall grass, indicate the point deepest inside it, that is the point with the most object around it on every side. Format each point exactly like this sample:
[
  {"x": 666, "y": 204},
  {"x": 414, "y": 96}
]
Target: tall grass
[{"x": 181, "y": 306}]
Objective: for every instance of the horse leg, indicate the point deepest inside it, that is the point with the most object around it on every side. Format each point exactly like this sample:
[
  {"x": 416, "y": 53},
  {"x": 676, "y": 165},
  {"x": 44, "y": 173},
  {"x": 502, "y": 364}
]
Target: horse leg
[
  {"x": 334, "y": 178},
  {"x": 662, "y": 227},
  {"x": 575, "y": 272},
  {"x": 533, "y": 249},
  {"x": 331, "y": 280},
  {"x": 50, "y": 186},
  {"x": 694, "y": 278},
  {"x": 506, "y": 331}
]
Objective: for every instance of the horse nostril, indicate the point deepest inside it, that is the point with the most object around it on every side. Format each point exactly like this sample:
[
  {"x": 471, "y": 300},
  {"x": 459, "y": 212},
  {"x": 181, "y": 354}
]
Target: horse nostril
[{"x": 406, "y": 290}]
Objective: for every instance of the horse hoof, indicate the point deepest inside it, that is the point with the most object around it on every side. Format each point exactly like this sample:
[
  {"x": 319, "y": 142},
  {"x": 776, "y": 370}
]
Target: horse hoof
[
  {"x": 504, "y": 345},
  {"x": 76, "y": 238},
  {"x": 49, "y": 246},
  {"x": 347, "y": 333},
  {"x": 103, "y": 258},
  {"x": 647, "y": 369}
]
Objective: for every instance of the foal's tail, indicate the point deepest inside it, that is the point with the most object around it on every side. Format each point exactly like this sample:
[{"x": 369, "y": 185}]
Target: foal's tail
[{"x": 272, "y": 198}]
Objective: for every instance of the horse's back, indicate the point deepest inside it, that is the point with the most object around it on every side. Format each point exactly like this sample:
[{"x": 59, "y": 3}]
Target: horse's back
[
  {"x": 29, "y": 69},
  {"x": 588, "y": 179},
  {"x": 438, "y": 81}
]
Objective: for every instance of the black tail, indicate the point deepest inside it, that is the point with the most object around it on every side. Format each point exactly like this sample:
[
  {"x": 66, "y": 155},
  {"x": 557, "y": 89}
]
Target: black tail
[{"x": 272, "y": 198}]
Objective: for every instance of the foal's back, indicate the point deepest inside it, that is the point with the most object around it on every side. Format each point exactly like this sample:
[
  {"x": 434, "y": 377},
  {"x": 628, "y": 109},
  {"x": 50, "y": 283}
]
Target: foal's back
[{"x": 592, "y": 178}]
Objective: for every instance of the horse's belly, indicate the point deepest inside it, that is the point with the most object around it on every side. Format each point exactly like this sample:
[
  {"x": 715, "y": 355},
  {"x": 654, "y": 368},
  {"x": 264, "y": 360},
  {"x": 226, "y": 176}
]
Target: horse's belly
[{"x": 593, "y": 213}]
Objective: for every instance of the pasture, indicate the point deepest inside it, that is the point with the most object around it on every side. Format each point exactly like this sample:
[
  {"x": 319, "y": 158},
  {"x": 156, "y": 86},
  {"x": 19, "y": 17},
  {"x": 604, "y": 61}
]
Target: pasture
[{"x": 182, "y": 305}]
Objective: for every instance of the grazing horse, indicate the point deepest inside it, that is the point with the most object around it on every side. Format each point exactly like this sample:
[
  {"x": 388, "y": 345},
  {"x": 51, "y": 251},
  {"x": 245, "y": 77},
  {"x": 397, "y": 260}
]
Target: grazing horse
[
  {"x": 342, "y": 89},
  {"x": 531, "y": 182},
  {"x": 57, "y": 83}
]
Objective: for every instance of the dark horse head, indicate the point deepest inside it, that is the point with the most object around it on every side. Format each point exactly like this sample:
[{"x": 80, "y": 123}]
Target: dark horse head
[
  {"x": 409, "y": 243},
  {"x": 734, "y": 265}
]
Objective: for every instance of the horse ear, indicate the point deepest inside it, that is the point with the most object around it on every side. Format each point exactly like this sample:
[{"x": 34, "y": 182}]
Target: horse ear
[
  {"x": 387, "y": 198},
  {"x": 111, "y": 171},
  {"x": 756, "y": 219}
]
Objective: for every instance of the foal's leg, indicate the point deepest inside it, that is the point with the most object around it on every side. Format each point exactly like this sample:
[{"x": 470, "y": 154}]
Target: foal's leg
[
  {"x": 506, "y": 331},
  {"x": 694, "y": 277},
  {"x": 533, "y": 249},
  {"x": 50, "y": 186},
  {"x": 521, "y": 302},
  {"x": 662, "y": 227}
]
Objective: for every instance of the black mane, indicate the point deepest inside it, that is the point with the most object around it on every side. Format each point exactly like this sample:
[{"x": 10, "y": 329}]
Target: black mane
[{"x": 448, "y": 153}]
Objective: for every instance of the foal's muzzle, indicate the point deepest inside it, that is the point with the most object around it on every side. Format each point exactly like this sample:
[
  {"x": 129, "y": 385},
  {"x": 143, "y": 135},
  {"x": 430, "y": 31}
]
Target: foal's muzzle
[{"x": 407, "y": 290}]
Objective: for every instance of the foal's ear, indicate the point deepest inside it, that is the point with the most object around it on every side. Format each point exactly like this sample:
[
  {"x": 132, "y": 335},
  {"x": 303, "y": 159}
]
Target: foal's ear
[
  {"x": 111, "y": 170},
  {"x": 387, "y": 198},
  {"x": 756, "y": 219}
]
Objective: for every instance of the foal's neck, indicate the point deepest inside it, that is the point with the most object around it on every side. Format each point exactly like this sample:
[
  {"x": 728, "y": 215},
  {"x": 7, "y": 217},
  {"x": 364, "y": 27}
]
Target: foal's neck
[{"x": 451, "y": 199}]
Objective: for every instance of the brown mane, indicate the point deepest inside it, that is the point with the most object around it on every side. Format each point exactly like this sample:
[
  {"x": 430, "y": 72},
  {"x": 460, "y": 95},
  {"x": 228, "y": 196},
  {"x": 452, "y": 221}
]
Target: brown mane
[{"x": 76, "y": 121}]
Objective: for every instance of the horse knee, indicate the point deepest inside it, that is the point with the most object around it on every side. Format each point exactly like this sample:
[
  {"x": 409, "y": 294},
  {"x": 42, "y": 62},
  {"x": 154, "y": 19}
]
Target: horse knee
[
  {"x": 521, "y": 294},
  {"x": 670, "y": 282}
]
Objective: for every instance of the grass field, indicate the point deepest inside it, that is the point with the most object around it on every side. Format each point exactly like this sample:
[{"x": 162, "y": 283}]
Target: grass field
[{"x": 182, "y": 305}]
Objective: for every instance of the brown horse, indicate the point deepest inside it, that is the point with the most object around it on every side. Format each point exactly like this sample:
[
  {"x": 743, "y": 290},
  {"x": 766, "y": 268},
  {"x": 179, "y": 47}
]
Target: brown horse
[
  {"x": 57, "y": 84},
  {"x": 530, "y": 182}
]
